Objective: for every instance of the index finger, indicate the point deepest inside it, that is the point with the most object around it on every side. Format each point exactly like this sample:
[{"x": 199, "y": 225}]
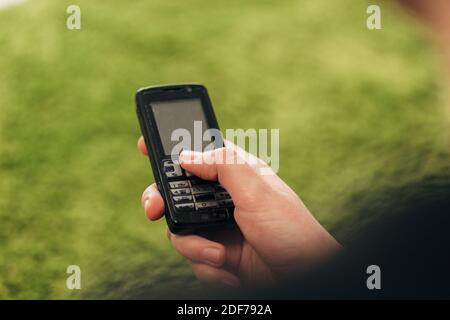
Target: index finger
[{"x": 141, "y": 146}]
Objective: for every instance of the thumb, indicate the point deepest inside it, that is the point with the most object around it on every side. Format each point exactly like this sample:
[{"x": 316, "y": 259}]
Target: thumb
[{"x": 236, "y": 170}]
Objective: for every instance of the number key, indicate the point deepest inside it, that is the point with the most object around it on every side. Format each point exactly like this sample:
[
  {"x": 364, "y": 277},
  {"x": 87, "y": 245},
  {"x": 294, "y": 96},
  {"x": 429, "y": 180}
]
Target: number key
[
  {"x": 180, "y": 192},
  {"x": 179, "y": 184}
]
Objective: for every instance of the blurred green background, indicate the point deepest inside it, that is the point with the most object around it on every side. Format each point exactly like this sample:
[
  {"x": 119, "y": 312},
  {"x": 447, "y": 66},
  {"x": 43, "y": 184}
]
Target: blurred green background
[{"x": 359, "y": 111}]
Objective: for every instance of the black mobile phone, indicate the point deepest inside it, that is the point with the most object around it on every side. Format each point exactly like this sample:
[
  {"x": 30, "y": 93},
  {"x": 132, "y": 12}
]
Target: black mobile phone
[{"x": 168, "y": 114}]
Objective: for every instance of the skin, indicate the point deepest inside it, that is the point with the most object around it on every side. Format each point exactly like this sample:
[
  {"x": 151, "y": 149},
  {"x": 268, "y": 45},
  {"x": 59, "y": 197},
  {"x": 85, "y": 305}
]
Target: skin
[{"x": 277, "y": 237}]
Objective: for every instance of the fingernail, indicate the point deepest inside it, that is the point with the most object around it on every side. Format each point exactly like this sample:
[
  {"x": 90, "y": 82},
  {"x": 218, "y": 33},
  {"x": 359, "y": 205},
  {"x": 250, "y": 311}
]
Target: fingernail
[
  {"x": 212, "y": 255},
  {"x": 147, "y": 195},
  {"x": 230, "y": 282}
]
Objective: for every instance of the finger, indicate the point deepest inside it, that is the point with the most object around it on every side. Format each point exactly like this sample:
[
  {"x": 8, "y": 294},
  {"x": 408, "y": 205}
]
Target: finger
[
  {"x": 141, "y": 146},
  {"x": 199, "y": 249},
  {"x": 215, "y": 276},
  {"x": 153, "y": 203}
]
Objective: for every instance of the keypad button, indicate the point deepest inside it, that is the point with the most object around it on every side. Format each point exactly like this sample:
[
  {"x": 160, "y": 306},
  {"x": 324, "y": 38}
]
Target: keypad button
[
  {"x": 206, "y": 205},
  {"x": 189, "y": 175},
  {"x": 179, "y": 184},
  {"x": 196, "y": 182},
  {"x": 172, "y": 170},
  {"x": 169, "y": 168},
  {"x": 180, "y": 199},
  {"x": 202, "y": 189},
  {"x": 219, "y": 188},
  {"x": 222, "y": 196},
  {"x": 204, "y": 197},
  {"x": 225, "y": 203},
  {"x": 180, "y": 192},
  {"x": 184, "y": 207},
  {"x": 173, "y": 175}
]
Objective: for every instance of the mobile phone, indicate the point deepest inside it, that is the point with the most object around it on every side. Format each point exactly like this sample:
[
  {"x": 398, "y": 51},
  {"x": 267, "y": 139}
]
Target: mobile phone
[{"x": 169, "y": 116}]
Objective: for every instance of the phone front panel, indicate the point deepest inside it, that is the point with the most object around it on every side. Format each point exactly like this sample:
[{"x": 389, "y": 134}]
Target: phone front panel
[{"x": 176, "y": 118}]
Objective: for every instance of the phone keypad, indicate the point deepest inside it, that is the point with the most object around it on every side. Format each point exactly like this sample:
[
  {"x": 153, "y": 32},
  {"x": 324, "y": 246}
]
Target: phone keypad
[
  {"x": 222, "y": 196},
  {"x": 191, "y": 194}
]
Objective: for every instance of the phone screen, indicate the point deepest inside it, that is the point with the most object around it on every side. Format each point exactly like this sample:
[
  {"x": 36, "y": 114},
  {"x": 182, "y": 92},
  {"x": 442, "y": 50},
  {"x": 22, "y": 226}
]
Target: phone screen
[{"x": 179, "y": 114}]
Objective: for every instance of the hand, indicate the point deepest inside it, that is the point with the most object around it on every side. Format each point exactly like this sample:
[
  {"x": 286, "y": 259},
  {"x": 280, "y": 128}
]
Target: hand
[{"x": 277, "y": 237}]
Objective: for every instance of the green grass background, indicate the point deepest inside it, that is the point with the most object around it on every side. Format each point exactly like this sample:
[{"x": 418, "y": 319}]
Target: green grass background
[{"x": 358, "y": 111}]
